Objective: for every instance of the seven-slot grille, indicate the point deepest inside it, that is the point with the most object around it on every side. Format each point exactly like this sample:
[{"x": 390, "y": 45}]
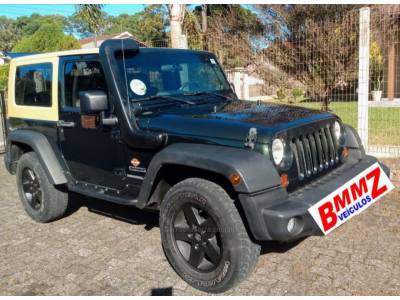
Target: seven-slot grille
[{"x": 315, "y": 151}]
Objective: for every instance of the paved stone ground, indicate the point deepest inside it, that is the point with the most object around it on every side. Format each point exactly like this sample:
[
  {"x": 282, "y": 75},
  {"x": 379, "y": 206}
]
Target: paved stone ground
[{"x": 105, "y": 249}]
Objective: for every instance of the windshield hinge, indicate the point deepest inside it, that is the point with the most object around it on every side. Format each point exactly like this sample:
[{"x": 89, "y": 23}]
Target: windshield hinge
[{"x": 251, "y": 139}]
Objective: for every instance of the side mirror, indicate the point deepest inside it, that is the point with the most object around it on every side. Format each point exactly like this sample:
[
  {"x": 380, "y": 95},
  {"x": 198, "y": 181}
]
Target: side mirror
[{"x": 93, "y": 101}]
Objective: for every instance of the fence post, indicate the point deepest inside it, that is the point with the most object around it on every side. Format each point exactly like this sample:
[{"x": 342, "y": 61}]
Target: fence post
[
  {"x": 237, "y": 81},
  {"x": 246, "y": 87},
  {"x": 363, "y": 75}
]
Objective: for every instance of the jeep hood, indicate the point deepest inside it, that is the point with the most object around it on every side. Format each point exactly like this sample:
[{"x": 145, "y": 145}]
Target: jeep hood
[{"x": 232, "y": 121}]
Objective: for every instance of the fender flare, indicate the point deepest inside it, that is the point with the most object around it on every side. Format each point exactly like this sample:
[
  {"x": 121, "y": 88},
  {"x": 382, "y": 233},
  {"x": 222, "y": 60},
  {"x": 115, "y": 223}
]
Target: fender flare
[
  {"x": 353, "y": 140},
  {"x": 256, "y": 170},
  {"x": 40, "y": 144}
]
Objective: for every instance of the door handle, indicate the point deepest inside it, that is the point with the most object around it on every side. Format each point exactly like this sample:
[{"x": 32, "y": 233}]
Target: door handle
[{"x": 62, "y": 123}]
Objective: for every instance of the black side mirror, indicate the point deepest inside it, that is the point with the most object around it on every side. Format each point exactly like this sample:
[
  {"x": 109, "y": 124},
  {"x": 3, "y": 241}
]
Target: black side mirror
[{"x": 93, "y": 101}]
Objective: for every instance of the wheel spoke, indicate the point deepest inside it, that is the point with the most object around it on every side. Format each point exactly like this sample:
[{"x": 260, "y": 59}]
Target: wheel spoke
[
  {"x": 210, "y": 227},
  {"x": 31, "y": 174},
  {"x": 26, "y": 184},
  {"x": 212, "y": 253},
  {"x": 182, "y": 234},
  {"x": 190, "y": 215},
  {"x": 31, "y": 188},
  {"x": 196, "y": 256}
]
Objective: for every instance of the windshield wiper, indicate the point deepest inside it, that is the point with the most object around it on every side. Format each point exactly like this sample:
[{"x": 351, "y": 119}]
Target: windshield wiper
[
  {"x": 165, "y": 97},
  {"x": 208, "y": 93}
]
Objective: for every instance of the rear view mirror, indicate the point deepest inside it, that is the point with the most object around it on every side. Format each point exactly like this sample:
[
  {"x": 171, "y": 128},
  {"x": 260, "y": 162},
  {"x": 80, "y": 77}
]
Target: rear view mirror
[{"x": 93, "y": 101}]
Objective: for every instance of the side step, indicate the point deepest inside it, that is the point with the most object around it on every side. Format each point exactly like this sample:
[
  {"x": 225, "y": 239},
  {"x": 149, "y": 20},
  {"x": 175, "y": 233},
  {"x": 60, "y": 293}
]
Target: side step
[{"x": 126, "y": 196}]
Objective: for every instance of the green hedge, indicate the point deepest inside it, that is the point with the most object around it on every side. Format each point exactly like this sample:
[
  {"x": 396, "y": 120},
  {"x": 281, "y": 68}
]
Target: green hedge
[{"x": 3, "y": 76}]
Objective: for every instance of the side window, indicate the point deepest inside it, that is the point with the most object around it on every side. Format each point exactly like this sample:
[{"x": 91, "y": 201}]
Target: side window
[
  {"x": 33, "y": 84},
  {"x": 82, "y": 76}
]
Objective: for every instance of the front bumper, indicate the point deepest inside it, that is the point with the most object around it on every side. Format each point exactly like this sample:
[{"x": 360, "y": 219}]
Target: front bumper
[{"x": 269, "y": 212}]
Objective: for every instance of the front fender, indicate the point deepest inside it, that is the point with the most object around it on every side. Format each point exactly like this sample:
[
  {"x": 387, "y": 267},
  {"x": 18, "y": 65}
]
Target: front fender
[{"x": 256, "y": 170}]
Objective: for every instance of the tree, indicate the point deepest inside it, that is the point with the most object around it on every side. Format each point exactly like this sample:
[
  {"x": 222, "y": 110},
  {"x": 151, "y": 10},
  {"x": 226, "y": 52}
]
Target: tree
[
  {"x": 148, "y": 25},
  {"x": 314, "y": 44},
  {"x": 176, "y": 17},
  {"x": 28, "y": 25},
  {"x": 231, "y": 32},
  {"x": 46, "y": 39},
  {"x": 11, "y": 31},
  {"x": 93, "y": 16},
  {"x": 8, "y": 34},
  {"x": 3, "y": 76}
]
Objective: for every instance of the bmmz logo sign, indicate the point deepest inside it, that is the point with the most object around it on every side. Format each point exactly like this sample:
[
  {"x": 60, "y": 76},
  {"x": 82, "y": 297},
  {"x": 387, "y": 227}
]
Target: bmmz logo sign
[{"x": 350, "y": 199}]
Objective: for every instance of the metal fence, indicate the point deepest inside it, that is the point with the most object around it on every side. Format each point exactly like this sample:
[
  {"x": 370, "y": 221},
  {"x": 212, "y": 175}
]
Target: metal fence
[{"x": 349, "y": 65}]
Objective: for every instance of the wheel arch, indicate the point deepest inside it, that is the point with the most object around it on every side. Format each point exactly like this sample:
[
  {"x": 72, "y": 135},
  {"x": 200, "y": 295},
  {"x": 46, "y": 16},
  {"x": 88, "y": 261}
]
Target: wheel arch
[
  {"x": 171, "y": 174},
  {"x": 256, "y": 170},
  {"x": 22, "y": 141}
]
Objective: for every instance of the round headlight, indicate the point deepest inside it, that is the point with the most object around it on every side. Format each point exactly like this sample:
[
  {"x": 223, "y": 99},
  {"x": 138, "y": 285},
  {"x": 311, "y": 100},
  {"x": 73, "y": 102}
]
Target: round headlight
[
  {"x": 278, "y": 150},
  {"x": 337, "y": 129}
]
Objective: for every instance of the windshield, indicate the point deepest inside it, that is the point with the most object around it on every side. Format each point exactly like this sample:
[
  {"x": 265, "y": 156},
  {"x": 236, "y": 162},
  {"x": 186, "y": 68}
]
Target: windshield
[{"x": 171, "y": 73}]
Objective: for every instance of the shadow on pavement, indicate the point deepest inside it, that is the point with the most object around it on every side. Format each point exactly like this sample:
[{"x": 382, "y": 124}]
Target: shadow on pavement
[
  {"x": 162, "y": 291},
  {"x": 136, "y": 216},
  {"x": 123, "y": 213},
  {"x": 279, "y": 247}
]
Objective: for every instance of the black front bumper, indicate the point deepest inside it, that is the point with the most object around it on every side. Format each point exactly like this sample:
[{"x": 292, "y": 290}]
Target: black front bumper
[{"x": 269, "y": 212}]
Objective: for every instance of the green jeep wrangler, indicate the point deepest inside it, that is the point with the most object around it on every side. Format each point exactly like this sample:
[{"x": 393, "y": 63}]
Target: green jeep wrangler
[{"x": 163, "y": 129}]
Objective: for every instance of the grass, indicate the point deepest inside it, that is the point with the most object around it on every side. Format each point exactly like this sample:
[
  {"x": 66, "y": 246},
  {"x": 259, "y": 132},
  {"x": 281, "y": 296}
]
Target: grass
[{"x": 384, "y": 122}]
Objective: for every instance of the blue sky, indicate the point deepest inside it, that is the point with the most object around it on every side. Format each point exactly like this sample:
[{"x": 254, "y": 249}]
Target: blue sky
[{"x": 16, "y": 10}]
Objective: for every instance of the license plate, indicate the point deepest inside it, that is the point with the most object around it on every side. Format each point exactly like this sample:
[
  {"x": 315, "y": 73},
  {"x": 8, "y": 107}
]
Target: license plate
[{"x": 350, "y": 199}]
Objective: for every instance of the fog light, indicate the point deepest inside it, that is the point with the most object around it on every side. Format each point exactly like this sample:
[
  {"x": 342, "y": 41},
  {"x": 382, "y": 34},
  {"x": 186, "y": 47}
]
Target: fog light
[
  {"x": 295, "y": 225},
  {"x": 291, "y": 225}
]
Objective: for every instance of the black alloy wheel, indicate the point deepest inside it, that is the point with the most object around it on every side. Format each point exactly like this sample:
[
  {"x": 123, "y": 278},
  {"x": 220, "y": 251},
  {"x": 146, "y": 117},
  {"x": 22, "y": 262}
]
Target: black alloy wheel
[
  {"x": 31, "y": 188},
  {"x": 42, "y": 200},
  {"x": 203, "y": 236},
  {"x": 197, "y": 237}
]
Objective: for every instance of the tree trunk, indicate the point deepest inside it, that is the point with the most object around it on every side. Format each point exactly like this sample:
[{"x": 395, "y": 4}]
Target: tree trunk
[
  {"x": 204, "y": 18},
  {"x": 204, "y": 25},
  {"x": 176, "y": 16}
]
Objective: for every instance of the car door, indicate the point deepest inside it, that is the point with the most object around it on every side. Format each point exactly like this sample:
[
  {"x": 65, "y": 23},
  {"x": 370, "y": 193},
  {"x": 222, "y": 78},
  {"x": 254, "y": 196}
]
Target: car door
[{"x": 92, "y": 151}]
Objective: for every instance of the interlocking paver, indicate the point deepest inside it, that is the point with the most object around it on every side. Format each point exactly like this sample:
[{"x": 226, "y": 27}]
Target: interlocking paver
[{"x": 100, "y": 248}]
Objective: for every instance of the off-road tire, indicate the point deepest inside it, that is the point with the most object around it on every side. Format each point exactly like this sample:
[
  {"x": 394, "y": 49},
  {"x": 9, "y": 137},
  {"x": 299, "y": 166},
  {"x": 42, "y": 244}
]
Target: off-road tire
[
  {"x": 239, "y": 254},
  {"x": 54, "y": 202}
]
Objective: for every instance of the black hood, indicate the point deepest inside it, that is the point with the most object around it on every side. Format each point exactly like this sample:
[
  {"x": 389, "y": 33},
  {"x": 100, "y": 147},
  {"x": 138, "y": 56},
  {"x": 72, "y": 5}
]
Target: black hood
[{"x": 233, "y": 120}]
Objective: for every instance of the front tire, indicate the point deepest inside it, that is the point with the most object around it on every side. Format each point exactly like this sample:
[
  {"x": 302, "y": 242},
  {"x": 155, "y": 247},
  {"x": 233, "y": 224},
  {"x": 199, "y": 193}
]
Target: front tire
[
  {"x": 204, "y": 237},
  {"x": 42, "y": 201}
]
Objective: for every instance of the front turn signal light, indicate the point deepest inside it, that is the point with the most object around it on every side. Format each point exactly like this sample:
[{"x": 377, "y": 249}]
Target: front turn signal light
[
  {"x": 345, "y": 152},
  {"x": 284, "y": 180},
  {"x": 235, "y": 179}
]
